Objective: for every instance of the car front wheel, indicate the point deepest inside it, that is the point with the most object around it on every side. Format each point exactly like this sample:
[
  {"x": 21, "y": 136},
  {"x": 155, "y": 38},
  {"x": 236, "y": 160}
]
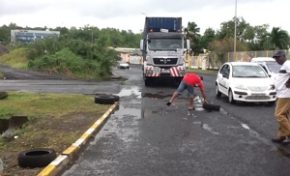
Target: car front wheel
[
  {"x": 217, "y": 91},
  {"x": 231, "y": 97}
]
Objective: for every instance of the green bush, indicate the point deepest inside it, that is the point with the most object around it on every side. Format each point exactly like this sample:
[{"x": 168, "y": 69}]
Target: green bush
[{"x": 68, "y": 63}]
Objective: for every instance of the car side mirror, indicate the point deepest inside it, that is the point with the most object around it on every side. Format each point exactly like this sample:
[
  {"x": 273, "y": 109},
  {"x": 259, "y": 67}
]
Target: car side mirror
[{"x": 225, "y": 75}]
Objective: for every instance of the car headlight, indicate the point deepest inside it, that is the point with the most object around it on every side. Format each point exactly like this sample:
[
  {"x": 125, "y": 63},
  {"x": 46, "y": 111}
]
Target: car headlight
[
  {"x": 272, "y": 87},
  {"x": 241, "y": 87}
]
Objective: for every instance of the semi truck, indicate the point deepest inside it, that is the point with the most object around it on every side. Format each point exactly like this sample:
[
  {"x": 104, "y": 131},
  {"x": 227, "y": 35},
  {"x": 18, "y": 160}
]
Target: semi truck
[{"x": 163, "y": 47}]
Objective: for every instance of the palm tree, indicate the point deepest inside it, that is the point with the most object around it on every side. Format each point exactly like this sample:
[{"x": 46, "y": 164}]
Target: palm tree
[
  {"x": 279, "y": 38},
  {"x": 193, "y": 34}
]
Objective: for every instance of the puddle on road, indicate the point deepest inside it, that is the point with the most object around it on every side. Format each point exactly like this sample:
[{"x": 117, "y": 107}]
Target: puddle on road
[
  {"x": 205, "y": 127},
  {"x": 123, "y": 125},
  {"x": 245, "y": 126},
  {"x": 157, "y": 95},
  {"x": 209, "y": 129},
  {"x": 134, "y": 90}
]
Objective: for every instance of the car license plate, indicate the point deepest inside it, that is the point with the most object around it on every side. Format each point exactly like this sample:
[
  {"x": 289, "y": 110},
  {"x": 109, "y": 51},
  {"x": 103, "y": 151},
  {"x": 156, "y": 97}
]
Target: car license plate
[{"x": 258, "y": 94}]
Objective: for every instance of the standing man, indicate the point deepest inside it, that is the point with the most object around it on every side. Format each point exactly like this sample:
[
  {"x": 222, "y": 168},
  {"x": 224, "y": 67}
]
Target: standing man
[
  {"x": 282, "y": 110},
  {"x": 189, "y": 81}
]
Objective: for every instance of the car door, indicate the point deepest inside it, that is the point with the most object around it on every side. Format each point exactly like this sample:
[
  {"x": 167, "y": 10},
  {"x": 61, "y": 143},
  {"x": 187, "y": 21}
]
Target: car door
[{"x": 224, "y": 79}]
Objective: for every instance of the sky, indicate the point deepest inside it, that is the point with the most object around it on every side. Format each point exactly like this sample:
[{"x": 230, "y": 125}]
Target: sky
[{"x": 130, "y": 14}]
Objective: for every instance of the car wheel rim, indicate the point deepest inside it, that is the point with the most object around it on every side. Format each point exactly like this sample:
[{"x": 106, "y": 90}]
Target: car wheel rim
[
  {"x": 230, "y": 97},
  {"x": 217, "y": 90}
]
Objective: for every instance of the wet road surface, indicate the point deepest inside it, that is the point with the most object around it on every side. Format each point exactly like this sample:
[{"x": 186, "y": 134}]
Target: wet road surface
[{"x": 145, "y": 137}]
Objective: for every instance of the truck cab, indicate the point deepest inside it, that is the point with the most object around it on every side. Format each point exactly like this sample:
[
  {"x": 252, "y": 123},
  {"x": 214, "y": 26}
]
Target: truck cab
[{"x": 163, "y": 49}]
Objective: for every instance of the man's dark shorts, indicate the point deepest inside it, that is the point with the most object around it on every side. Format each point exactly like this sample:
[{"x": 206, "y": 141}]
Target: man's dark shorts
[{"x": 183, "y": 86}]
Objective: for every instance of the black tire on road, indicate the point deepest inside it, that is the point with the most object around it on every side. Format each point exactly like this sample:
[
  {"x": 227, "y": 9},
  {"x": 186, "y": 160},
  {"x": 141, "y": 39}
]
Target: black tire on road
[
  {"x": 106, "y": 99},
  {"x": 38, "y": 157},
  {"x": 211, "y": 107}
]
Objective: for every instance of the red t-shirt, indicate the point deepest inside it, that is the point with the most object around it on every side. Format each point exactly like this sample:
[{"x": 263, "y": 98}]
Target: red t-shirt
[{"x": 193, "y": 79}]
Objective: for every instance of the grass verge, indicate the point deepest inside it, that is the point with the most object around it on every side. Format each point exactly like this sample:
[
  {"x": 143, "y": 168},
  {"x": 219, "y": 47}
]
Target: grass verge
[{"x": 55, "y": 121}]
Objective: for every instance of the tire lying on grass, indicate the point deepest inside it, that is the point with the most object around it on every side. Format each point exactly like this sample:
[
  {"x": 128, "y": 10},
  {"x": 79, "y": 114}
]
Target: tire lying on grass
[
  {"x": 38, "y": 157},
  {"x": 106, "y": 99}
]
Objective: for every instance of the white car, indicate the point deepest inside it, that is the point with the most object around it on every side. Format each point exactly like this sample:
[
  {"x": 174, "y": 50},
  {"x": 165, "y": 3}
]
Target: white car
[
  {"x": 123, "y": 65},
  {"x": 245, "y": 82},
  {"x": 268, "y": 63}
]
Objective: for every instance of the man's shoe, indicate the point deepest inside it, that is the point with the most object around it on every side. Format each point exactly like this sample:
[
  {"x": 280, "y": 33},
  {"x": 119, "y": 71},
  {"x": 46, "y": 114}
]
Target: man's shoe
[
  {"x": 286, "y": 141},
  {"x": 282, "y": 140},
  {"x": 168, "y": 103}
]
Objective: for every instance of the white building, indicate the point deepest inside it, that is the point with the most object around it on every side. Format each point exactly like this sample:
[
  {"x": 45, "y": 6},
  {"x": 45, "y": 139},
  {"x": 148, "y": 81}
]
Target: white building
[{"x": 27, "y": 36}]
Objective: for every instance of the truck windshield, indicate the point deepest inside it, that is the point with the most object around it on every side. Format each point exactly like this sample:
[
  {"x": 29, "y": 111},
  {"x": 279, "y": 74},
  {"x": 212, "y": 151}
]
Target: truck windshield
[{"x": 165, "y": 44}]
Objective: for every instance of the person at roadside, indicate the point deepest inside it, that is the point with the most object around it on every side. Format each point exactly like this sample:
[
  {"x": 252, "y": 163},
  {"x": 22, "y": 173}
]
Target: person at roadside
[
  {"x": 282, "y": 109},
  {"x": 189, "y": 82}
]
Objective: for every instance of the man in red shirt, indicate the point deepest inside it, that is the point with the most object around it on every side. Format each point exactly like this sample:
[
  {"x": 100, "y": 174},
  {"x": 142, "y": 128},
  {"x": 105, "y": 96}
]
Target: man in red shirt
[{"x": 189, "y": 81}]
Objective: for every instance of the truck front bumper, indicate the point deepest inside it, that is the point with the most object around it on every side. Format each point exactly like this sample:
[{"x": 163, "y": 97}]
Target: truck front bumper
[{"x": 175, "y": 72}]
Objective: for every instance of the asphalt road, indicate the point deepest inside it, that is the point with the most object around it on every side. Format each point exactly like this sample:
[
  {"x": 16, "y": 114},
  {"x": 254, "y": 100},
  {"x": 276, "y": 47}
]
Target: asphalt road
[{"x": 145, "y": 137}]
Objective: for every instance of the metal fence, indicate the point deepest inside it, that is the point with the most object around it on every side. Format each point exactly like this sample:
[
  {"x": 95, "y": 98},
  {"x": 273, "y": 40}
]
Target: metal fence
[
  {"x": 247, "y": 55},
  {"x": 213, "y": 60}
]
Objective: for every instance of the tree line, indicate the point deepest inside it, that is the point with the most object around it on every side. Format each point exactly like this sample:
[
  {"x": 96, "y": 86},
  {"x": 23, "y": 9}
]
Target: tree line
[
  {"x": 78, "y": 52},
  {"x": 249, "y": 38},
  {"x": 87, "y": 49}
]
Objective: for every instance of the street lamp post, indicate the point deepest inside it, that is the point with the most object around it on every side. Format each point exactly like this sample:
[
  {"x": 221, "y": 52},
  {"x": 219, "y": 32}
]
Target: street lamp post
[{"x": 235, "y": 39}]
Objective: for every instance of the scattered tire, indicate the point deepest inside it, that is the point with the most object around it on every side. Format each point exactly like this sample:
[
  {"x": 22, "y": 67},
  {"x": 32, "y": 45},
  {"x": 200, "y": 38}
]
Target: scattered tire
[
  {"x": 211, "y": 107},
  {"x": 106, "y": 99},
  {"x": 38, "y": 157},
  {"x": 3, "y": 95}
]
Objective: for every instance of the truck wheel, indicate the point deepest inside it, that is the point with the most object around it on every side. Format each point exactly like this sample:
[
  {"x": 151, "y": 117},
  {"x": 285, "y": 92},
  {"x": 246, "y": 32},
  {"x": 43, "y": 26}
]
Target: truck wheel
[
  {"x": 38, "y": 157},
  {"x": 148, "y": 82},
  {"x": 106, "y": 99}
]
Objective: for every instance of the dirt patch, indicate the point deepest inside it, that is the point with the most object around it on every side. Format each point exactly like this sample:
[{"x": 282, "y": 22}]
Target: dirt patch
[{"x": 57, "y": 133}]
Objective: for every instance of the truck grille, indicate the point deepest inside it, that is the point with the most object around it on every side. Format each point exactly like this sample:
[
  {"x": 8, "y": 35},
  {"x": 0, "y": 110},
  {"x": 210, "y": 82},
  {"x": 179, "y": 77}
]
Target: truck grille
[{"x": 165, "y": 61}]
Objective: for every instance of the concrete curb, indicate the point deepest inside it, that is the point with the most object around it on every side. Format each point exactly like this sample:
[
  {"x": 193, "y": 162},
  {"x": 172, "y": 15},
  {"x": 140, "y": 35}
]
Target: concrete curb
[{"x": 58, "y": 165}]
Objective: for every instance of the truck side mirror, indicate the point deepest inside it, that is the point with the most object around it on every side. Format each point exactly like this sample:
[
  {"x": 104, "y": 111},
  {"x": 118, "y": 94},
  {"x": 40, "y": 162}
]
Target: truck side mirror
[
  {"x": 187, "y": 44},
  {"x": 141, "y": 45}
]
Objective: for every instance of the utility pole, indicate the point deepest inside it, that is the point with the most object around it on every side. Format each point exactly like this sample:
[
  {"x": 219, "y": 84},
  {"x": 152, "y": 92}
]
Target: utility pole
[{"x": 235, "y": 40}]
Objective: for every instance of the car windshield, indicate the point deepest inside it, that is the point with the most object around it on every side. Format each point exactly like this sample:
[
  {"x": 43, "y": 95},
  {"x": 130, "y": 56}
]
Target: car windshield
[{"x": 248, "y": 71}]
